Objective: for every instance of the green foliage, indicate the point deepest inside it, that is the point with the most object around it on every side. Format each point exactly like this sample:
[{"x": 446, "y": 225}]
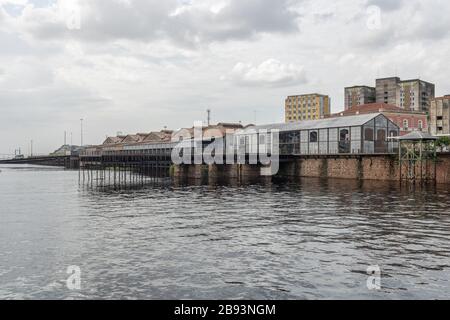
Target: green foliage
[{"x": 443, "y": 142}]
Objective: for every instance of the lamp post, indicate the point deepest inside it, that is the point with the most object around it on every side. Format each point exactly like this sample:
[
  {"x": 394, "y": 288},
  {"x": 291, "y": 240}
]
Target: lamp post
[{"x": 81, "y": 121}]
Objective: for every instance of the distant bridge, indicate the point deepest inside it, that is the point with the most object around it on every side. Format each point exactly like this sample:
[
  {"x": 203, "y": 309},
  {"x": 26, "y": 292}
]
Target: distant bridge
[
  {"x": 69, "y": 162},
  {"x": 6, "y": 156}
]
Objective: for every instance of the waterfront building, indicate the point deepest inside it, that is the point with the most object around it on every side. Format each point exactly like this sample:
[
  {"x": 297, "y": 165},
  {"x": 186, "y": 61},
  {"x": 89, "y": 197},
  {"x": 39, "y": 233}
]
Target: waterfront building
[
  {"x": 408, "y": 121},
  {"x": 440, "y": 116},
  {"x": 359, "y": 95},
  {"x": 413, "y": 94},
  {"x": 161, "y": 136},
  {"x": 119, "y": 142},
  {"x": 113, "y": 140},
  {"x": 358, "y": 134},
  {"x": 307, "y": 107},
  {"x": 210, "y": 132},
  {"x": 134, "y": 138}
]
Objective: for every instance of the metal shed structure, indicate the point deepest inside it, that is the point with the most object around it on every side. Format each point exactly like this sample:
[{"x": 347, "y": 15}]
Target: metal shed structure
[
  {"x": 360, "y": 134},
  {"x": 417, "y": 156}
]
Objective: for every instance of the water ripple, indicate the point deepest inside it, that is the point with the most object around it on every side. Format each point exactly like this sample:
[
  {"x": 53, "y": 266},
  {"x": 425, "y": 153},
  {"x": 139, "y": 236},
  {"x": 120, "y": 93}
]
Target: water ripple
[{"x": 308, "y": 239}]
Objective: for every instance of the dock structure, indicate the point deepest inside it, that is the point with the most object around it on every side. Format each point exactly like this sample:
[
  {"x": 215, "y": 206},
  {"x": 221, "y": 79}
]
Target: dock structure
[
  {"x": 366, "y": 134},
  {"x": 417, "y": 157},
  {"x": 364, "y": 147},
  {"x": 144, "y": 157},
  {"x": 132, "y": 165},
  {"x": 68, "y": 162}
]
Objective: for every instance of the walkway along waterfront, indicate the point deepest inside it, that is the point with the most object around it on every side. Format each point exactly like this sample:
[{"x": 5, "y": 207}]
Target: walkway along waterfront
[{"x": 363, "y": 147}]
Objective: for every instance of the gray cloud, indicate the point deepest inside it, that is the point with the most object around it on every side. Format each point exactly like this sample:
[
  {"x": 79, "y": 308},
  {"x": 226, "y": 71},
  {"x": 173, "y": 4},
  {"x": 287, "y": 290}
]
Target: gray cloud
[
  {"x": 387, "y": 5},
  {"x": 418, "y": 22},
  {"x": 132, "y": 66},
  {"x": 147, "y": 20},
  {"x": 271, "y": 73}
]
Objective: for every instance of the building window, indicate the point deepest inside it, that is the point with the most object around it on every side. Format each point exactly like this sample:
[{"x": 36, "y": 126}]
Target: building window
[
  {"x": 368, "y": 134},
  {"x": 344, "y": 135},
  {"x": 393, "y": 133},
  {"x": 313, "y": 136},
  {"x": 405, "y": 124}
]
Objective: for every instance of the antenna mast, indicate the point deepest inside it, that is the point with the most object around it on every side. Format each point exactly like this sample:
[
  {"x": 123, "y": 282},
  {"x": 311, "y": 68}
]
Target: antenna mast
[{"x": 209, "y": 116}]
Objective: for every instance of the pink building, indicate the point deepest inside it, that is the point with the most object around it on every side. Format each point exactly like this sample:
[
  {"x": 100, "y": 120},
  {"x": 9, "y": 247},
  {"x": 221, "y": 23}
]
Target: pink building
[{"x": 407, "y": 120}]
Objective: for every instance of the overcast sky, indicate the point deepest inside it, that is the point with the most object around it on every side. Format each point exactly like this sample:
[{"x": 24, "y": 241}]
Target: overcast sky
[{"x": 139, "y": 65}]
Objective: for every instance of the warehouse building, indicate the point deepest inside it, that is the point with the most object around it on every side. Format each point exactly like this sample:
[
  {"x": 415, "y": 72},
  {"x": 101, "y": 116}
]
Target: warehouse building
[{"x": 359, "y": 134}]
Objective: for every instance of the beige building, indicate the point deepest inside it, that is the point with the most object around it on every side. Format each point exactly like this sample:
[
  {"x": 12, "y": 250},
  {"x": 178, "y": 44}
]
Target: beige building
[
  {"x": 209, "y": 132},
  {"x": 440, "y": 116},
  {"x": 307, "y": 107},
  {"x": 359, "y": 95},
  {"x": 414, "y": 95}
]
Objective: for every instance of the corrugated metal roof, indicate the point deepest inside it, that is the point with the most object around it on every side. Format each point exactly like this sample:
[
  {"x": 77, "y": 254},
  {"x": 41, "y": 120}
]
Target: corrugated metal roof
[
  {"x": 417, "y": 136},
  {"x": 350, "y": 121}
]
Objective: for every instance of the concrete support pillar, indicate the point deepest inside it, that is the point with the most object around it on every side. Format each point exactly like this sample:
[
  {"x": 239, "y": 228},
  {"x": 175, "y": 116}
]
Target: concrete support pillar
[
  {"x": 288, "y": 169},
  {"x": 197, "y": 171},
  {"x": 215, "y": 171},
  {"x": 180, "y": 171},
  {"x": 232, "y": 171},
  {"x": 250, "y": 171}
]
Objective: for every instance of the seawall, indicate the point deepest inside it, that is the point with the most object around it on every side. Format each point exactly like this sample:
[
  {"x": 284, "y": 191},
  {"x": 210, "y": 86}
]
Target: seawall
[{"x": 375, "y": 167}]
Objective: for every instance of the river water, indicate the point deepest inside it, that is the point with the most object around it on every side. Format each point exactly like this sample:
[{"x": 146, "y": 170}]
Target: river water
[{"x": 309, "y": 239}]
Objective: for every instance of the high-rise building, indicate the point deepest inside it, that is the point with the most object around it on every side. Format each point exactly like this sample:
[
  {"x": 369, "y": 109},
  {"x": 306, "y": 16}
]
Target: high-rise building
[
  {"x": 359, "y": 95},
  {"x": 414, "y": 95},
  {"x": 440, "y": 116},
  {"x": 386, "y": 90},
  {"x": 307, "y": 107}
]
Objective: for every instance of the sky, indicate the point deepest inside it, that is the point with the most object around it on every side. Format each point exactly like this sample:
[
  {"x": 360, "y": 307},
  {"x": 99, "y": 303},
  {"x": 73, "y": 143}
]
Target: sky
[{"x": 142, "y": 65}]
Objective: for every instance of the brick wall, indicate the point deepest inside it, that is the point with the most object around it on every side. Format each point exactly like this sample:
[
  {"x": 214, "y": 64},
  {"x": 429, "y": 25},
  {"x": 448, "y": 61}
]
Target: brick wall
[
  {"x": 382, "y": 168},
  {"x": 368, "y": 168},
  {"x": 443, "y": 169}
]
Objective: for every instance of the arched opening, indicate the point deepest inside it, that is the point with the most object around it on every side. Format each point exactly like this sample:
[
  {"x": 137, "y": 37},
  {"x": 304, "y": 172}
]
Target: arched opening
[
  {"x": 405, "y": 124},
  {"x": 344, "y": 141},
  {"x": 420, "y": 125},
  {"x": 368, "y": 134}
]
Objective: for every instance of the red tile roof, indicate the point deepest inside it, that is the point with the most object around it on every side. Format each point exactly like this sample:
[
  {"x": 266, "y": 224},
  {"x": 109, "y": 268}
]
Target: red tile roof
[{"x": 374, "y": 108}]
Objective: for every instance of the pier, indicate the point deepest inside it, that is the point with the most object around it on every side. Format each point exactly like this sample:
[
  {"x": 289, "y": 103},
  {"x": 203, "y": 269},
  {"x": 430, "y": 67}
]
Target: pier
[
  {"x": 123, "y": 168},
  {"x": 362, "y": 147},
  {"x": 68, "y": 162}
]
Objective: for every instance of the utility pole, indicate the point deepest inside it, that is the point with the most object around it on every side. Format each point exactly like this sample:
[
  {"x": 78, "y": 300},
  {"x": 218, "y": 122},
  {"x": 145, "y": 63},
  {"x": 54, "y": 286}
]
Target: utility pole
[
  {"x": 65, "y": 138},
  {"x": 71, "y": 139},
  {"x": 81, "y": 121},
  {"x": 209, "y": 116},
  {"x": 31, "y": 148}
]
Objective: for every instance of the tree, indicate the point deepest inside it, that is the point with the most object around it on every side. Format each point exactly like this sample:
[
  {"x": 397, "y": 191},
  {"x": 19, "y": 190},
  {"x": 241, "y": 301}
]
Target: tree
[{"x": 443, "y": 142}]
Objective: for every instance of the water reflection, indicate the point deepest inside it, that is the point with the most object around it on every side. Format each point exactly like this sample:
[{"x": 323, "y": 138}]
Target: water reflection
[{"x": 303, "y": 238}]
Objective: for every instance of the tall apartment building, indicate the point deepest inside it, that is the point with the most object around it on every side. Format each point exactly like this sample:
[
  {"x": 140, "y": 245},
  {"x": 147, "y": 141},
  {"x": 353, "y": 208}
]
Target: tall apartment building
[
  {"x": 414, "y": 95},
  {"x": 307, "y": 107},
  {"x": 440, "y": 116},
  {"x": 359, "y": 95}
]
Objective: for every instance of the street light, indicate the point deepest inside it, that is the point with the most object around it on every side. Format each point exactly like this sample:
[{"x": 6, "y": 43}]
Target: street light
[{"x": 81, "y": 120}]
